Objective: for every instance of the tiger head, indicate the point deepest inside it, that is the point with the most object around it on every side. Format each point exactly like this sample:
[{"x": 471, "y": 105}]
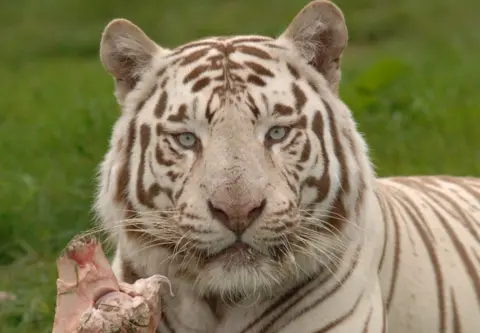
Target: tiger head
[{"x": 233, "y": 163}]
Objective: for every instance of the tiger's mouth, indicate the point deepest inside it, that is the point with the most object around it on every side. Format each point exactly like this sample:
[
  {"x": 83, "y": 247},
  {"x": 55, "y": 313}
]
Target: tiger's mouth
[
  {"x": 243, "y": 253},
  {"x": 238, "y": 250}
]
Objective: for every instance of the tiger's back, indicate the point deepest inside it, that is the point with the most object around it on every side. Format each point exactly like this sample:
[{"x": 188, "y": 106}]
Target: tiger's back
[{"x": 430, "y": 263}]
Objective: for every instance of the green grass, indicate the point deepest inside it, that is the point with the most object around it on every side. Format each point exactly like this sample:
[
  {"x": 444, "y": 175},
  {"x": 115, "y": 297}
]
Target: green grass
[{"x": 411, "y": 76}]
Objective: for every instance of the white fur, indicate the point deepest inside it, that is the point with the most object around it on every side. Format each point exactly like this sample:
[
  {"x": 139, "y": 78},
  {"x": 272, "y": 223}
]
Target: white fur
[{"x": 233, "y": 149}]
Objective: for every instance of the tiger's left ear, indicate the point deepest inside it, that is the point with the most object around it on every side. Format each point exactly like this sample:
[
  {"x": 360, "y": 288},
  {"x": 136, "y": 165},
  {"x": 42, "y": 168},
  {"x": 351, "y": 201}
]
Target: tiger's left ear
[
  {"x": 320, "y": 35},
  {"x": 126, "y": 53}
]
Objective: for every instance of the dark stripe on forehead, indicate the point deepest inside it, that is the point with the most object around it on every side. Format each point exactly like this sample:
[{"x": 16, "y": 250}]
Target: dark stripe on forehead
[
  {"x": 274, "y": 46},
  {"x": 265, "y": 101},
  {"x": 209, "y": 112},
  {"x": 191, "y": 45},
  {"x": 181, "y": 115},
  {"x": 300, "y": 98},
  {"x": 194, "y": 56},
  {"x": 256, "y": 39},
  {"x": 216, "y": 61},
  {"x": 195, "y": 107},
  {"x": 254, "y": 51},
  {"x": 253, "y": 106},
  {"x": 195, "y": 73},
  {"x": 200, "y": 84},
  {"x": 161, "y": 71},
  {"x": 293, "y": 71},
  {"x": 282, "y": 110},
  {"x": 161, "y": 104},
  {"x": 259, "y": 69},
  {"x": 164, "y": 83},
  {"x": 224, "y": 48},
  {"x": 313, "y": 86},
  {"x": 256, "y": 80}
]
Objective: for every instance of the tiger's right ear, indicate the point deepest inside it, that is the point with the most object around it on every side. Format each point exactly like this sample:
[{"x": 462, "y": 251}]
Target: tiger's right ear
[
  {"x": 320, "y": 34},
  {"x": 126, "y": 52}
]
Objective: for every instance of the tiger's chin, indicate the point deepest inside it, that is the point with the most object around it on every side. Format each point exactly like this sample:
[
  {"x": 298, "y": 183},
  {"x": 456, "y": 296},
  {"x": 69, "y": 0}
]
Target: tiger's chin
[
  {"x": 243, "y": 273},
  {"x": 242, "y": 277}
]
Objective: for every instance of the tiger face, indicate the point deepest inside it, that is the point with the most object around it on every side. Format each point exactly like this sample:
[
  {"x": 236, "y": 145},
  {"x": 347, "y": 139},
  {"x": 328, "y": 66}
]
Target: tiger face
[{"x": 233, "y": 163}]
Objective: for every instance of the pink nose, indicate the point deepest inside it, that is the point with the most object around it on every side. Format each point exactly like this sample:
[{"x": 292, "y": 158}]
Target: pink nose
[{"x": 236, "y": 216}]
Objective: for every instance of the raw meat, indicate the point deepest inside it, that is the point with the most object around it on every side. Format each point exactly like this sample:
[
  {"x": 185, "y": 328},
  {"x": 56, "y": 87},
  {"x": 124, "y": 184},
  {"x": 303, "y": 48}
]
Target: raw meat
[{"x": 91, "y": 300}]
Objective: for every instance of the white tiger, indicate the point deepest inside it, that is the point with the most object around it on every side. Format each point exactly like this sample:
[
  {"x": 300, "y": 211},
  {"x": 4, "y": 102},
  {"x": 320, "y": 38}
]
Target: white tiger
[{"x": 236, "y": 170}]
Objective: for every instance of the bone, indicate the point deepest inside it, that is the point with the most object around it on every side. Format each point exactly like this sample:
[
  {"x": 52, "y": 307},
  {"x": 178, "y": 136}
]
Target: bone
[{"x": 91, "y": 300}]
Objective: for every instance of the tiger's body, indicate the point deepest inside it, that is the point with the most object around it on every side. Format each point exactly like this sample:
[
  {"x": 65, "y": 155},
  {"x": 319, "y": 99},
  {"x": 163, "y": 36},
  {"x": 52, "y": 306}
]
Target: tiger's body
[{"x": 236, "y": 171}]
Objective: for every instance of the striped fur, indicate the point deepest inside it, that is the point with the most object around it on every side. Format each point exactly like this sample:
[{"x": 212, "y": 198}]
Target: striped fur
[{"x": 334, "y": 248}]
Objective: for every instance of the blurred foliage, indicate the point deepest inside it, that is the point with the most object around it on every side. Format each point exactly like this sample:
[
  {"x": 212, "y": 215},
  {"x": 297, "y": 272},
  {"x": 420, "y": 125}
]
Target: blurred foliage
[{"x": 410, "y": 76}]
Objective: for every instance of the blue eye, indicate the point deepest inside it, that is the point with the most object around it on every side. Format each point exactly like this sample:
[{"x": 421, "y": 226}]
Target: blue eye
[
  {"x": 277, "y": 133},
  {"x": 187, "y": 140}
]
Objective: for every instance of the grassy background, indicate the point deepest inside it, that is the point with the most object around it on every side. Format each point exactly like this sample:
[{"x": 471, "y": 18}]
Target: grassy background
[{"x": 411, "y": 76}]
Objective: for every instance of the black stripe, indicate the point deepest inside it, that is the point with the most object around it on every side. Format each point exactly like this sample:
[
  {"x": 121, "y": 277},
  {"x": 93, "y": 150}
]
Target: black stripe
[
  {"x": 456, "y": 318},
  {"x": 367, "y": 321},
  {"x": 341, "y": 319},
  {"x": 316, "y": 302},
  {"x": 396, "y": 256},
  {"x": 417, "y": 219},
  {"x": 435, "y": 193},
  {"x": 462, "y": 253},
  {"x": 386, "y": 214},
  {"x": 281, "y": 301}
]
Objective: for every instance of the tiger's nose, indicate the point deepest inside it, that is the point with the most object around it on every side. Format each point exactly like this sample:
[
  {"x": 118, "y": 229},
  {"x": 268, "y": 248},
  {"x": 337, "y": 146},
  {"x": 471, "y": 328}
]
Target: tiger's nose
[{"x": 237, "y": 216}]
